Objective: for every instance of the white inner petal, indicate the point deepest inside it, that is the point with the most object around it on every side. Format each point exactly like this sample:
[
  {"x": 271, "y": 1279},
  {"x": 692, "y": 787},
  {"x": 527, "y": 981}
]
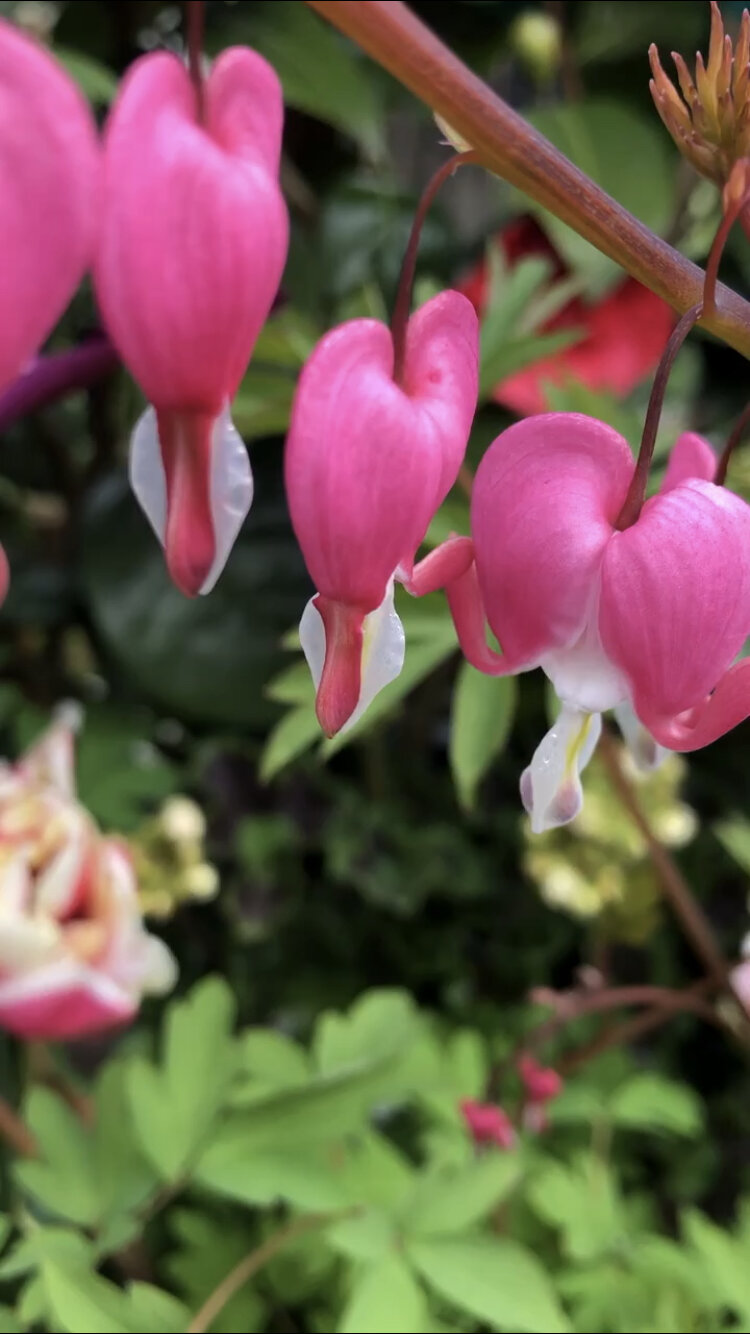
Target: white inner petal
[
  {"x": 231, "y": 483},
  {"x": 646, "y": 752},
  {"x": 146, "y": 469},
  {"x": 583, "y": 675},
  {"x": 383, "y": 649},
  {"x": 231, "y": 491},
  {"x": 551, "y": 786}
]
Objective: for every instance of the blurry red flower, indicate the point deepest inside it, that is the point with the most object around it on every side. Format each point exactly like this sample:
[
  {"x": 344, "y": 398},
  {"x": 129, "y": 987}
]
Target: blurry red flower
[{"x": 623, "y": 333}]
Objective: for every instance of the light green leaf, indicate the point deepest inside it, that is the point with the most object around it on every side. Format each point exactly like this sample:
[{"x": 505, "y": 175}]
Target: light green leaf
[
  {"x": 293, "y": 686},
  {"x": 379, "y": 1022},
  {"x": 451, "y": 1202},
  {"x": 63, "y": 1180},
  {"x": 306, "y": 1180},
  {"x": 495, "y": 1280},
  {"x": 577, "y": 1102},
  {"x": 468, "y": 1062},
  {"x": 84, "y": 1303},
  {"x": 289, "y": 739},
  {"x": 651, "y": 1102},
  {"x": 8, "y": 1321},
  {"x": 175, "y": 1104},
  {"x": 366, "y": 1237},
  {"x": 582, "y": 1200},
  {"x": 734, "y": 836},
  {"x": 149, "y": 1308},
  {"x": 723, "y": 1259},
  {"x": 481, "y": 719},
  {"x": 96, "y": 80},
  {"x": 385, "y": 1297},
  {"x": 272, "y": 1060},
  {"x": 626, "y": 155}
]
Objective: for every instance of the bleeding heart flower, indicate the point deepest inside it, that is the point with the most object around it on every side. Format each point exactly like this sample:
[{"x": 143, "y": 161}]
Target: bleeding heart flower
[
  {"x": 74, "y": 954},
  {"x": 488, "y": 1124},
  {"x": 622, "y": 334},
  {"x": 368, "y": 463},
  {"x": 194, "y": 241},
  {"x": 49, "y": 206},
  {"x": 645, "y": 621}
]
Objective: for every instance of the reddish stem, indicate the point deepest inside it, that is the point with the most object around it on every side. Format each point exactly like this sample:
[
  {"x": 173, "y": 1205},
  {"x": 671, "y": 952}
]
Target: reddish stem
[
  {"x": 402, "y": 304},
  {"x": 736, "y": 434},
  {"x": 633, "y": 503},
  {"x": 195, "y": 23},
  {"x": 707, "y": 307},
  {"x": 508, "y": 146}
]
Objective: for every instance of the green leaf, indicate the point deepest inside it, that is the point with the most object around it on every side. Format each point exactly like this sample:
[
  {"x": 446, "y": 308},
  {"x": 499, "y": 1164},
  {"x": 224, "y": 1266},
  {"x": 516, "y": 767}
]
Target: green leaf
[
  {"x": 481, "y": 719},
  {"x": 297, "y": 731},
  {"x": 379, "y": 1023},
  {"x": 119, "y": 772},
  {"x": 175, "y": 1105},
  {"x": 495, "y": 1280},
  {"x": 734, "y": 836},
  {"x": 651, "y": 1102},
  {"x": 723, "y": 1259},
  {"x": 149, "y": 1308},
  {"x": 8, "y": 1321},
  {"x": 386, "y": 1297},
  {"x": 272, "y": 1060},
  {"x": 64, "y": 1179},
  {"x": 365, "y": 1237},
  {"x": 582, "y": 1200},
  {"x": 96, "y": 80},
  {"x": 451, "y": 1202},
  {"x": 577, "y": 1102},
  {"x": 84, "y": 1303},
  {"x": 626, "y": 155},
  {"x": 320, "y": 73}
]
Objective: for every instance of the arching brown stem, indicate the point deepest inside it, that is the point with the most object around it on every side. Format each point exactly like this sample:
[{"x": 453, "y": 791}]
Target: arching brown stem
[{"x": 508, "y": 146}]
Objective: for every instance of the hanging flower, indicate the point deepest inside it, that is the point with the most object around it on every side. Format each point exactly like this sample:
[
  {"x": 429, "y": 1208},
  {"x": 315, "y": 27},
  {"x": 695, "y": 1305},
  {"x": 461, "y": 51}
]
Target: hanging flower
[
  {"x": 622, "y": 334},
  {"x": 49, "y": 205},
  {"x": 368, "y": 463},
  {"x": 488, "y": 1124},
  {"x": 645, "y": 621},
  {"x": 74, "y": 955},
  {"x": 193, "y": 244}
]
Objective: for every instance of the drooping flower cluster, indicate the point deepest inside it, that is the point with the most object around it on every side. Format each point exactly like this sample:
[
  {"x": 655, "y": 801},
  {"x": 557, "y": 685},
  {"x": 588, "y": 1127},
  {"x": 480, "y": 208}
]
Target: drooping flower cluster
[{"x": 74, "y": 954}]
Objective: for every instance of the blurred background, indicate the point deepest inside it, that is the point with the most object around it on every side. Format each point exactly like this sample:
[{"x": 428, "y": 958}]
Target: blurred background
[{"x": 397, "y": 856}]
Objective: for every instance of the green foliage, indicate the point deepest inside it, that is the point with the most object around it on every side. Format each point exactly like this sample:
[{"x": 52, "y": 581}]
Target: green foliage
[{"x": 481, "y": 720}]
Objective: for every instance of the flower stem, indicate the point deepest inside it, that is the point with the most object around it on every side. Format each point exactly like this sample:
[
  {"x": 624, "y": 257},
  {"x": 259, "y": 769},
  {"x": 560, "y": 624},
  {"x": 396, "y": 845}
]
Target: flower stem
[
  {"x": 195, "y": 20},
  {"x": 674, "y": 887},
  {"x": 402, "y": 304},
  {"x": 15, "y": 1132},
  {"x": 633, "y": 503},
  {"x": 247, "y": 1267},
  {"x": 52, "y": 377},
  {"x": 507, "y": 145},
  {"x": 735, "y": 436}
]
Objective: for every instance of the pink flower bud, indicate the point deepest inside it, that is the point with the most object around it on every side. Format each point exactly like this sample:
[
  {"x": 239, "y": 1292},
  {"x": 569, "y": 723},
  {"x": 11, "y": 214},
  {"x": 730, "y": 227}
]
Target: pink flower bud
[
  {"x": 541, "y": 1083},
  {"x": 368, "y": 463},
  {"x": 74, "y": 955},
  {"x": 488, "y": 1124},
  {"x": 645, "y": 621},
  {"x": 194, "y": 240},
  {"x": 49, "y": 205}
]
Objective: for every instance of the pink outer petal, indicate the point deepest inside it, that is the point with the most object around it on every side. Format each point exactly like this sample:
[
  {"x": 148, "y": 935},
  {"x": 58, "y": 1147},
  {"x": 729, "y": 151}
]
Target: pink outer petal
[
  {"x": 675, "y": 598},
  {"x": 50, "y": 167},
  {"x": 63, "y": 1000},
  {"x": 195, "y": 229},
  {"x": 691, "y": 457},
  {"x": 368, "y": 462},
  {"x": 546, "y": 495},
  {"x": 728, "y": 706}
]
